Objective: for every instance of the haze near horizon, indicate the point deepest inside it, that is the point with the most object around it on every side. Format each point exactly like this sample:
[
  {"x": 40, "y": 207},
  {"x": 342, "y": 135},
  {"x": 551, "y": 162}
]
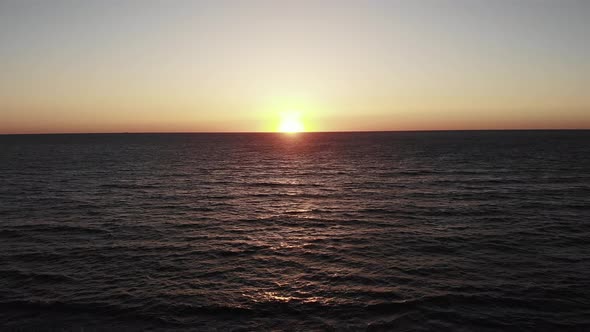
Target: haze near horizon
[{"x": 189, "y": 66}]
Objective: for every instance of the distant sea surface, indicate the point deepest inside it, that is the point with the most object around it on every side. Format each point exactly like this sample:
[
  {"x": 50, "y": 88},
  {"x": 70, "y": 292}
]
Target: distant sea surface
[{"x": 420, "y": 231}]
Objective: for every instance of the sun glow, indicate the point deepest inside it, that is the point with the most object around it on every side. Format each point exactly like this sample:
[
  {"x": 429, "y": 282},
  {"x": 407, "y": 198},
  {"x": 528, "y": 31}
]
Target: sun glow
[{"x": 291, "y": 123}]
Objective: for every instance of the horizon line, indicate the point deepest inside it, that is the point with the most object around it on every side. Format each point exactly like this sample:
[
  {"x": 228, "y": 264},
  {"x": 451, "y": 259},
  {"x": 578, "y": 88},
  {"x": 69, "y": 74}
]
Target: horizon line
[{"x": 278, "y": 132}]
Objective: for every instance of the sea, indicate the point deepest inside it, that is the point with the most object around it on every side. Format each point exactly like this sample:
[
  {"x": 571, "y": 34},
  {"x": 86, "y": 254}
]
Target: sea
[{"x": 368, "y": 231}]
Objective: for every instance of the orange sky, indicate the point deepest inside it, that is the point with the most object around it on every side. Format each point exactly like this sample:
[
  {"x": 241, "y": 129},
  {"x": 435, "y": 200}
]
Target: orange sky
[{"x": 183, "y": 66}]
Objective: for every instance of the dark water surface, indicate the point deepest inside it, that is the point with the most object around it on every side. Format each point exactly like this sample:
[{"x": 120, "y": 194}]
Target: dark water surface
[{"x": 469, "y": 231}]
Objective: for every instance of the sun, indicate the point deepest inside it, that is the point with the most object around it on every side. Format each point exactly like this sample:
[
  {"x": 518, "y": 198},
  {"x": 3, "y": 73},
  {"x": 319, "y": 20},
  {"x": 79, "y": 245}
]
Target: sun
[{"x": 291, "y": 123}]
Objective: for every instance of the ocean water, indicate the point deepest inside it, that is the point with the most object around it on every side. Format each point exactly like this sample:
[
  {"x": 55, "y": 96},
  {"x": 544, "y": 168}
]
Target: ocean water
[{"x": 414, "y": 231}]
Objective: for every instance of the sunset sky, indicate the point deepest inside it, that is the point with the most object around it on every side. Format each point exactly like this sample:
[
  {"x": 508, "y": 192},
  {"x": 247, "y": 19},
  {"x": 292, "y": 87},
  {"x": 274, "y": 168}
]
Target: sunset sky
[{"x": 189, "y": 66}]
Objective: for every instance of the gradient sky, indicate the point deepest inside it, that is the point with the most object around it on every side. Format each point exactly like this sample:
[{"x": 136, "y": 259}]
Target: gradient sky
[{"x": 142, "y": 66}]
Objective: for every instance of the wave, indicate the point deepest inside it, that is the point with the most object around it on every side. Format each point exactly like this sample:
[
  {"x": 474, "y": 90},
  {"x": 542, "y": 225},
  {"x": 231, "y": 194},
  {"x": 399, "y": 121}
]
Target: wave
[
  {"x": 127, "y": 186},
  {"x": 59, "y": 228},
  {"x": 424, "y": 312},
  {"x": 32, "y": 276}
]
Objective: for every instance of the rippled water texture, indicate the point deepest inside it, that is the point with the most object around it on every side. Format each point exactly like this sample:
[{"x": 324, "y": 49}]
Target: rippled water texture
[{"x": 468, "y": 231}]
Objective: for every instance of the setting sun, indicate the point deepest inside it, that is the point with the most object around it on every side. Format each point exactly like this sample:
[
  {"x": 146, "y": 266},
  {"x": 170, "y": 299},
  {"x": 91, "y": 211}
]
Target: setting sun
[{"x": 291, "y": 123}]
